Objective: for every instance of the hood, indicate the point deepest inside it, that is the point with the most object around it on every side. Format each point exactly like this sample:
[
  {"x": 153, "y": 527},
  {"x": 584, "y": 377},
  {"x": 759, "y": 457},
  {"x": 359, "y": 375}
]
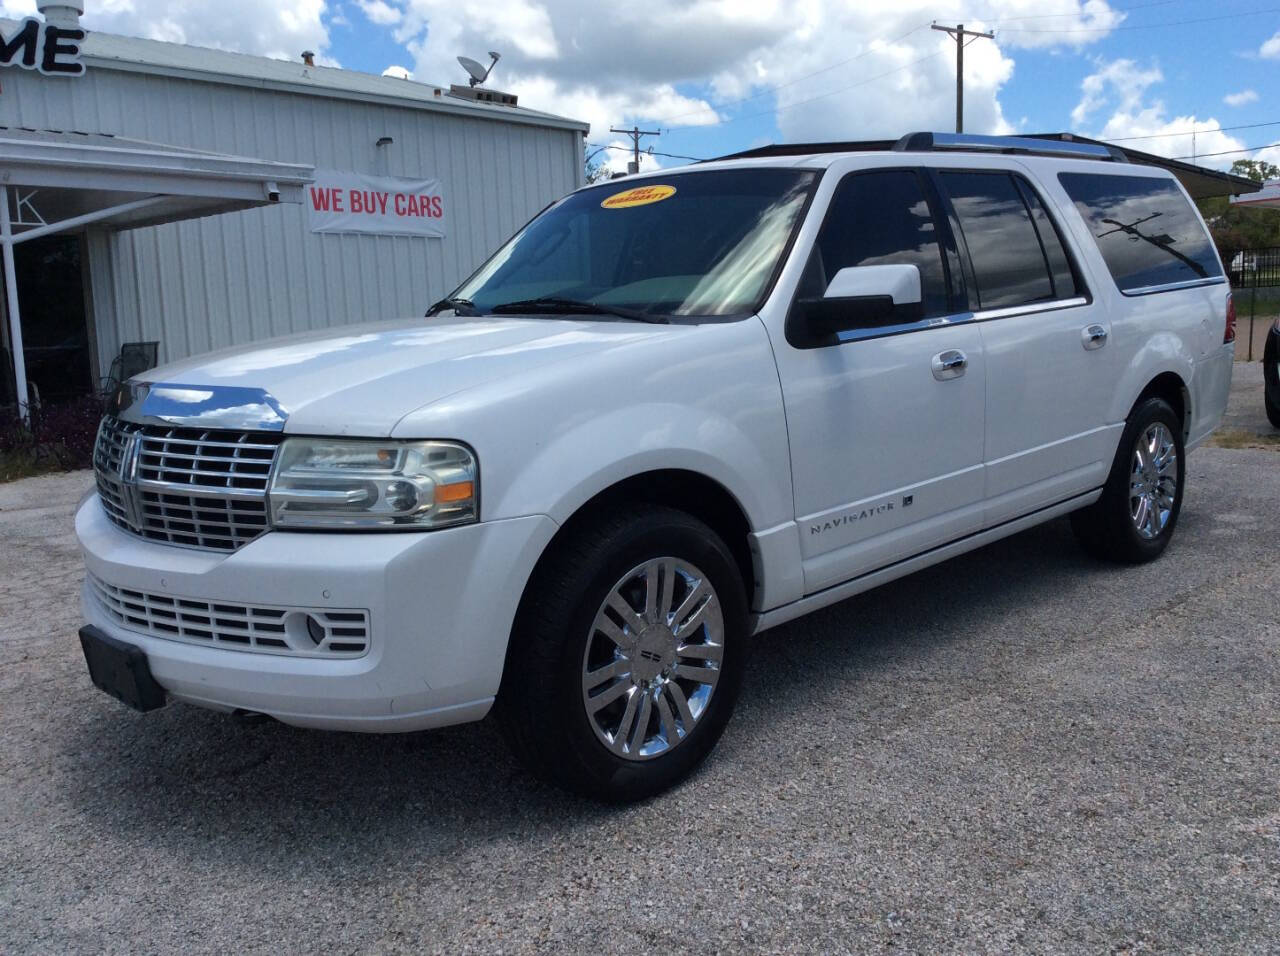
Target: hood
[{"x": 362, "y": 379}]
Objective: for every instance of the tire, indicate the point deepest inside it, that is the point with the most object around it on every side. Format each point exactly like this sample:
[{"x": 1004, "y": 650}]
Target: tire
[
  {"x": 1271, "y": 378},
  {"x": 1116, "y": 528},
  {"x": 562, "y": 662}
]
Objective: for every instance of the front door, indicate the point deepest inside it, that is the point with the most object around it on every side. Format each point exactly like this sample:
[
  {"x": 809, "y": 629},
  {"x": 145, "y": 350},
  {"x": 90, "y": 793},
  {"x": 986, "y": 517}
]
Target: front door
[{"x": 886, "y": 442}]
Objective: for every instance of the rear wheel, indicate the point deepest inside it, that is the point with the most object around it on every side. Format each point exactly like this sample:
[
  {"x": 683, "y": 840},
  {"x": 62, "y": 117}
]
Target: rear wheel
[
  {"x": 627, "y": 655},
  {"x": 1135, "y": 517}
]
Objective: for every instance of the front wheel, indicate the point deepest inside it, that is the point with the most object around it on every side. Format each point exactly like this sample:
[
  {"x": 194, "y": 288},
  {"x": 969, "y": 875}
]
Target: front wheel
[
  {"x": 1135, "y": 517},
  {"x": 627, "y": 655}
]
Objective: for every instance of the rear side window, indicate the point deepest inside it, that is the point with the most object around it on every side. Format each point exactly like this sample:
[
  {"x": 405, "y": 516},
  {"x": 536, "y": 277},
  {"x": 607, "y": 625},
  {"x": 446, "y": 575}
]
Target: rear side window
[
  {"x": 1016, "y": 261},
  {"x": 879, "y": 218},
  {"x": 1145, "y": 228}
]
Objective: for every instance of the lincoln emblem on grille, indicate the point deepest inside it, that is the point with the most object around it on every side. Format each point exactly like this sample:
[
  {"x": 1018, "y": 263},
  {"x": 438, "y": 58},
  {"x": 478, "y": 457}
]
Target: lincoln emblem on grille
[{"x": 129, "y": 477}]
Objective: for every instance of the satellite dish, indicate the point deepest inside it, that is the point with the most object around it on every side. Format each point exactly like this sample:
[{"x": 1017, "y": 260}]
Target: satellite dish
[{"x": 478, "y": 73}]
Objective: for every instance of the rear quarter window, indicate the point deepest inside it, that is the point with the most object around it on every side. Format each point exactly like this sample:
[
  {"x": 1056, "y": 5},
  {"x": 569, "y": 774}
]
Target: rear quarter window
[{"x": 1145, "y": 228}]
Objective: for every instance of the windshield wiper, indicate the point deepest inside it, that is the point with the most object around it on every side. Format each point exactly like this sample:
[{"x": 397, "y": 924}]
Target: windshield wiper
[
  {"x": 555, "y": 305},
  {"x": 459, "y": 306}
]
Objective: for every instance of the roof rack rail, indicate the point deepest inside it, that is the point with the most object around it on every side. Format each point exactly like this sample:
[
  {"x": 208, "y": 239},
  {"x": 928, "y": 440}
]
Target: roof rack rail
[{"x": 965, "y": 142}]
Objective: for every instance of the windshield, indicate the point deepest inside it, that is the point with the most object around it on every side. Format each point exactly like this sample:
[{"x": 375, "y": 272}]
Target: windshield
[{"x": 697, "y": 243}]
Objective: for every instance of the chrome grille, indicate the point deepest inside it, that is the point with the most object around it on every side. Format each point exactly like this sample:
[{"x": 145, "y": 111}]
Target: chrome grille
[
  {"x": 202, "y": 488},
  {"x": 298, "y": 632}
]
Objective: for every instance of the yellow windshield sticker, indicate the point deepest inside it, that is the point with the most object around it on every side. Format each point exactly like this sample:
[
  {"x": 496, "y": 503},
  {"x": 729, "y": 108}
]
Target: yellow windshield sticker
[{"x": 640, "y": 196}]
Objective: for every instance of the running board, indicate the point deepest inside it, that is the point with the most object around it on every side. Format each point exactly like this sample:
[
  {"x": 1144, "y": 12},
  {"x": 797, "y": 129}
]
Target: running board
[{"x": 832, "y": 595}]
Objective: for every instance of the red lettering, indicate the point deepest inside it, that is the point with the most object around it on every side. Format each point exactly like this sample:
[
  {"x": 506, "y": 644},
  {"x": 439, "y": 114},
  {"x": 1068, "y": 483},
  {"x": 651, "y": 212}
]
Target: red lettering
[
  {"x": 320, "y": 199},
  {"x": 382, "y": 203},
  {"x": 424, "y": 206},
  {"x": 436, "y": 209},
  {"x": 413, "y": 206},
  {"x": 337, "y": 200},
  {"x": 400, "y": 207}
]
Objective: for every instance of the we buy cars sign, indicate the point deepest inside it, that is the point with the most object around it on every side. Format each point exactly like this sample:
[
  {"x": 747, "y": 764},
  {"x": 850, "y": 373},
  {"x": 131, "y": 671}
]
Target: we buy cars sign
[{"x": 353, "y": 202}]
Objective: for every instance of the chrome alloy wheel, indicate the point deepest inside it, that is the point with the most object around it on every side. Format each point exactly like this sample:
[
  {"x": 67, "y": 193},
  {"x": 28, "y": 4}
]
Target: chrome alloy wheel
[
  {"x": 1153, "y": 480},
  {"x": 653, "y": 658}
]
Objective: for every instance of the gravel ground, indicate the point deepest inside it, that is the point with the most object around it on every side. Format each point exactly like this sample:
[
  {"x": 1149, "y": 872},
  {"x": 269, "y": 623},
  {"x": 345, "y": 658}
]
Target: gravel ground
[
  {"x": 1018, "y": 750},
  {"x": 1246, "y": 411}
]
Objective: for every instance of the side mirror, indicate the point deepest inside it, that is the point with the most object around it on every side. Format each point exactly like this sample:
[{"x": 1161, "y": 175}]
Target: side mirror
[{"x": 863, "y": 297}]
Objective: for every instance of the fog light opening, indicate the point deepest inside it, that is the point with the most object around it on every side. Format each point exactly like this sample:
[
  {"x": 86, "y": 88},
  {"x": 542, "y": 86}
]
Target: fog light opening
[
  {"x": 304, "y": 631},
  {"x": 315, "y": 630}
]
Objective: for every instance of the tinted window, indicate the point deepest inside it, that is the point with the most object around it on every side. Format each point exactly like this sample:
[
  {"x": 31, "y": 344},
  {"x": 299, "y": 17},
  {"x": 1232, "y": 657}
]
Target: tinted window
[
  {"x": 1008, "y": 261},
  {"x": 1147, "y": 231},
  {"x": 880, "y": 218},
  {"x": 1063, "y": 275},
  {"x": 693, "y": 243}
]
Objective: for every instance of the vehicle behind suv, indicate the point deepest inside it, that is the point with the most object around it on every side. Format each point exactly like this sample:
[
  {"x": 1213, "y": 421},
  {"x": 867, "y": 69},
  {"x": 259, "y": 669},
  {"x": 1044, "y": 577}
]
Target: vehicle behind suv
[{"x": 672, "y": 412}]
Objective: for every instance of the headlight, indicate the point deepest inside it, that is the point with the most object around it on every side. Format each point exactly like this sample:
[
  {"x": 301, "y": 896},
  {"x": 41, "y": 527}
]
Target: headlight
[{"x": 371, "y": 485}]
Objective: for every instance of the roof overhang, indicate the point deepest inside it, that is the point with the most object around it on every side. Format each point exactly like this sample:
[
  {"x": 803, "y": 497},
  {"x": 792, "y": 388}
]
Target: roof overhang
[
  {"x": 1200, "y": 182},
  {"x": 80, "y": 173},
  {"x": 1268, "y": 195}
]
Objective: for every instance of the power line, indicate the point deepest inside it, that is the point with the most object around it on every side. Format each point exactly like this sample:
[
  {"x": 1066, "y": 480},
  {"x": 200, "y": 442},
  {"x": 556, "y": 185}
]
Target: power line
[
  {"x": 1229, "y": 152},
  {"x": 1149, "y": 26},
  {"x": 1192, "y": 132},
  {"x": 650, "y": 152},
  {"x": 1073, "y": 13},
  {"x": 635, "y": 133}
]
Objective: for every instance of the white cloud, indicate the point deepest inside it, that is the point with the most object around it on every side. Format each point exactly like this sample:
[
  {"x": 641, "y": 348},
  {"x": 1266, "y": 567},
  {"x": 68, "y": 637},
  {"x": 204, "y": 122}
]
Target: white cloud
[
  {"x": 841, "y": 70},
  {"x": 1121, "y": 82},
  {"x": 282, "y": 29},
  {"x": 1143, "y": 122},
  {"x": 1242, "y": 98},
  {"x": 399, "y": 72},
  {"x": 1270, "y": 50},
  {"x": 380, "y": 12},
  {"x": 818, "y": 69}
]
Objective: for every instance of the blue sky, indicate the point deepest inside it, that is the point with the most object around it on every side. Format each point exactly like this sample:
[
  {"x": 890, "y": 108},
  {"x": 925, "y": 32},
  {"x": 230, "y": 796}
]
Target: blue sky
[
  {"x": 723, "y": 75},
  {"x": 1156, "y": 75}
]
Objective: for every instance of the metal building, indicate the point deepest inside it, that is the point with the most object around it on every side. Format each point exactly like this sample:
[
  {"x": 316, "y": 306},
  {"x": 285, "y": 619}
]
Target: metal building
[{"x": 247, "y": 275}]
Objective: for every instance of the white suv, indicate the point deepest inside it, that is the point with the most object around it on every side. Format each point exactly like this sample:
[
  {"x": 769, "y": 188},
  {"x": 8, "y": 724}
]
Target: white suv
[{"x": 670, "y": 413}]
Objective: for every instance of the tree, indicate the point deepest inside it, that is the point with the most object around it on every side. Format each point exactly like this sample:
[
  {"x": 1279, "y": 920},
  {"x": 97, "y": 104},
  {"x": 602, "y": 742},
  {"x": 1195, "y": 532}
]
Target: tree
[
  {"x": 1255, "y": 169},
  {"x": 597, "y": 170}
]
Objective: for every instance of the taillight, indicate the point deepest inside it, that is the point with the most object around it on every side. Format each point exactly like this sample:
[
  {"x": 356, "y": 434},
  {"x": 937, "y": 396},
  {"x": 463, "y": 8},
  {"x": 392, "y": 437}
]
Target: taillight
[{"x": 1230, "y": 334}]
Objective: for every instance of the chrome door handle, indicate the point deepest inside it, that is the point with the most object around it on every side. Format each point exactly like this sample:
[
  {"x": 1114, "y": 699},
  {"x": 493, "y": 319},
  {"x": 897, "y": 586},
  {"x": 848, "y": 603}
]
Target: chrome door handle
[
  {"x": 949, "y": 364},
  {"x": 1094, "y": 337}
]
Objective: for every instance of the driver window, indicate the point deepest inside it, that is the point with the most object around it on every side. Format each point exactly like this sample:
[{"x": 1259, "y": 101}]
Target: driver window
[{"x": 875, "y": 218}]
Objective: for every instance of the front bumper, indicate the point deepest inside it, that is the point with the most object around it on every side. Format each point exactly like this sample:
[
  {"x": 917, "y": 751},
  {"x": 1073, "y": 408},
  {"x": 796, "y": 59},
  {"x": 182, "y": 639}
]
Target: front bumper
[{"x": 440, "y": 604}]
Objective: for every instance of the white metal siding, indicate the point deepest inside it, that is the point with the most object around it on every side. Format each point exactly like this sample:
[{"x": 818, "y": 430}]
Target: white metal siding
[{"x": 250, "y": 275}]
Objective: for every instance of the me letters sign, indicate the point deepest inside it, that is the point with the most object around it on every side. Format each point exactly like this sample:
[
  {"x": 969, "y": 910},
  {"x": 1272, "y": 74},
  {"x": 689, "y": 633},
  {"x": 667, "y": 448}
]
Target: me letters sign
[
  {"x": 353, "y": 202},
  {"x": 35, "y": 45}
]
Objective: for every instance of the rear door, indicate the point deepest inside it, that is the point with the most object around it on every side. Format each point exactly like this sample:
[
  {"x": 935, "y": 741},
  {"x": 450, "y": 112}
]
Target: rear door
[
  {"x": 886, "y": 444},
  {"x": 1051, "y": 362}
]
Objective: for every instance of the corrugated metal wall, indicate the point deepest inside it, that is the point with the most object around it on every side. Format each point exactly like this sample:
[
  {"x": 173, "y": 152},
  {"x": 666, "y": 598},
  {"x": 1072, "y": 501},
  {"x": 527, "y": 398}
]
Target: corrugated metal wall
[{"x": 244, "y": 276}]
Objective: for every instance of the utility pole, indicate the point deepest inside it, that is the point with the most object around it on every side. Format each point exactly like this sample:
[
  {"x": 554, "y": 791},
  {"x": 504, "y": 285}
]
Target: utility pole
[
  {"x": 635, "y": 133},
  {"x": 959, "y": 32}
]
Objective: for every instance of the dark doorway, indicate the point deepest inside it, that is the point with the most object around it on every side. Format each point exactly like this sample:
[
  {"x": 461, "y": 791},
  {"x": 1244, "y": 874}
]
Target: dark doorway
[{"x": 55, "y": 328}]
